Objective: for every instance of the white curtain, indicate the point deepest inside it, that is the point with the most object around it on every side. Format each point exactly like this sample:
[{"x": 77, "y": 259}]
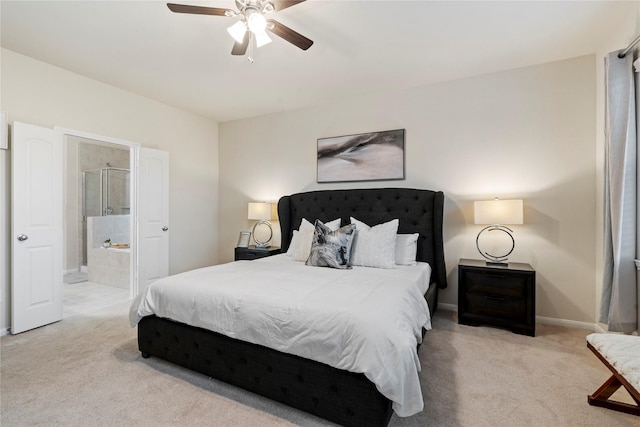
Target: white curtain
[{"x": 619, "y": 305}]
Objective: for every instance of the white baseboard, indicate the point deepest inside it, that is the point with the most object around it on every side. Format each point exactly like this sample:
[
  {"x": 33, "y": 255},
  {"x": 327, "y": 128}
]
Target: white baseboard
[
  {"x": 600, "y": 329},
  {"x": 544, "y": 320},
  {"x": 448, "y": 307},
  {"x": 4, "y": 331},
  {"x": 565, "y": 322}
]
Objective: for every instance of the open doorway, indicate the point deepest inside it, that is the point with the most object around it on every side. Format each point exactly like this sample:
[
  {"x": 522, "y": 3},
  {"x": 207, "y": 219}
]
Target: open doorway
[
  {"x": 98, "y": 192},
  {"x": 40, "y": 207}
]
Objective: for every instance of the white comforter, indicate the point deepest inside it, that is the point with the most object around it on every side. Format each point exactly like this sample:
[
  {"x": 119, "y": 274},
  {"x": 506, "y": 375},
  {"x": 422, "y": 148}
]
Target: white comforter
[{"x": 364, "y": 320}]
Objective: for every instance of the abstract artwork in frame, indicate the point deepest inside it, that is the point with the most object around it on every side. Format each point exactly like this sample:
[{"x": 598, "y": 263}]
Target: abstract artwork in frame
[{"x": 369, "y": 156}]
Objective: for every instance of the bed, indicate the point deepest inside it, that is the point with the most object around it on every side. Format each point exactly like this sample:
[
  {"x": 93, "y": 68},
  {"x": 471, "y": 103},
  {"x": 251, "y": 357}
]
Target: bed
[{"x": 338, "y": 395}]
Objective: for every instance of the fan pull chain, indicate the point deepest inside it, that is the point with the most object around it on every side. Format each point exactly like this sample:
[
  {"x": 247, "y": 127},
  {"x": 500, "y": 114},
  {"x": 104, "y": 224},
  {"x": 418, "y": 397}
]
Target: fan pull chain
[{"x": 251, "y": 43}]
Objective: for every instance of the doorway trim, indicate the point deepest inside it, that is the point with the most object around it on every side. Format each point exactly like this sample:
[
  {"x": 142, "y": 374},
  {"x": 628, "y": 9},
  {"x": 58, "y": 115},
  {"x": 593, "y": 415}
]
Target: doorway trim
[{"x": 133, "y": 167}]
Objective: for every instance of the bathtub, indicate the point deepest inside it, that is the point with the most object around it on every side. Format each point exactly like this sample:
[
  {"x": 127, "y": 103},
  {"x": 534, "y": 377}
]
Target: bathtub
[{"x": 109, "y": 266}]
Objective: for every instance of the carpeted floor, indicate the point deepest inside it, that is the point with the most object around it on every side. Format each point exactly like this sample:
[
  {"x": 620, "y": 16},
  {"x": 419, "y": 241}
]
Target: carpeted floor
[{"x": 86, "y": 371}]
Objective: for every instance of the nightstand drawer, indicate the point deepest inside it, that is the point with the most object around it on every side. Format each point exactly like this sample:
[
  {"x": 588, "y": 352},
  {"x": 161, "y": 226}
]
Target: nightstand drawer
[
  {"x": 498, "y": 284},
  {"x": 497, "y": 307},
  {"x": 249, "y": 254}
]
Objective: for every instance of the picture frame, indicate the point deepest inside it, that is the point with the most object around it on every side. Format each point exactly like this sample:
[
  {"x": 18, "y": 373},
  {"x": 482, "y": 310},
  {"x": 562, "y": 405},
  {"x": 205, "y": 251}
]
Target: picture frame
[
  {"x": 372, "y": 156},
  {"x": 243, "y": 239}
]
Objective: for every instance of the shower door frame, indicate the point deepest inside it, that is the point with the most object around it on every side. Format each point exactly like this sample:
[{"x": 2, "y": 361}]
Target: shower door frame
[
  {"x": 102, "y": 187},
  {"x": 84, "y": 211},
  {"x": 104, "y": 205}
]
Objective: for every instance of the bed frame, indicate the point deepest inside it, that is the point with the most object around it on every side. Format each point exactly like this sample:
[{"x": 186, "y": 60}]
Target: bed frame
[{"x": 343, "y": 397}]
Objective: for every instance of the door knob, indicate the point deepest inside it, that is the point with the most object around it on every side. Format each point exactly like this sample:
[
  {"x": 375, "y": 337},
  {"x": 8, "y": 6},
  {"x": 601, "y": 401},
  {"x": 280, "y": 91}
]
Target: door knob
[
  {"x": 22, "y": 237},
  {"x": 165, "y": 228}
]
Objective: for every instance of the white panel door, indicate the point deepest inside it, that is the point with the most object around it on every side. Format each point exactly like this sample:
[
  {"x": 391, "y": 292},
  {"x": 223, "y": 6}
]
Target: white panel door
[
  {"x": 36, "y": 227},
  {"x": 153, "y": 216}
]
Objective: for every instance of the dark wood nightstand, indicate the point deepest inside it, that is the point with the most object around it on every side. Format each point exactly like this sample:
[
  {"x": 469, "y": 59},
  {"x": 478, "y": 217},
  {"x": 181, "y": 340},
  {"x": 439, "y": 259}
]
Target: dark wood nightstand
[
  {"x": 503, "y": 296},
  {"x": 253, "y": 252}
]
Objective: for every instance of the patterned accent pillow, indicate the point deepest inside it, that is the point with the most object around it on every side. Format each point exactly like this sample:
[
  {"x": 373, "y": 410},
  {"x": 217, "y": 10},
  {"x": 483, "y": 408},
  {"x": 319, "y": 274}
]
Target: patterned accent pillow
[
  {"x": 375, "y": 246},
  {"x": 331, "y": 248}
]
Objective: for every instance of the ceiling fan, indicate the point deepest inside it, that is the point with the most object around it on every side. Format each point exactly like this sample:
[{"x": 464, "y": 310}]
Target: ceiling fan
[{"x": 253, "y": 25}]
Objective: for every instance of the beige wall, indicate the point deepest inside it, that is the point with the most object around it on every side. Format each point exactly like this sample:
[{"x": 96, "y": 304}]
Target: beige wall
[
  {"x": 527, "y": 133},
  {"x": 43, "y": 95}
]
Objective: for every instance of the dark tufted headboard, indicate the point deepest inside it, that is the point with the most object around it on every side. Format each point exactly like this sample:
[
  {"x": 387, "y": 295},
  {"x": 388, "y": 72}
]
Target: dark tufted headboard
[{"x": 418, "y": 211}]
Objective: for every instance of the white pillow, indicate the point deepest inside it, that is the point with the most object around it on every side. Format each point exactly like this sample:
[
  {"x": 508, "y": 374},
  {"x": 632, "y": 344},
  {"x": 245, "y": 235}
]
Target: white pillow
[
  {"x": 306, "y": 225},
  {"x": 406, "y": 249},
  {"x": 375, "y": 246},
  {"x": 302, "y": 249},
  {"x": 293, "y": 243},
  {"x": 300, "y": 245}
]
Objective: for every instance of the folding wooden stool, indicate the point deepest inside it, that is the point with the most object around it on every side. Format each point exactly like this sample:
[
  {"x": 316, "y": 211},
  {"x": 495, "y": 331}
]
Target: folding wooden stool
[{"x": 621, "y": 354}]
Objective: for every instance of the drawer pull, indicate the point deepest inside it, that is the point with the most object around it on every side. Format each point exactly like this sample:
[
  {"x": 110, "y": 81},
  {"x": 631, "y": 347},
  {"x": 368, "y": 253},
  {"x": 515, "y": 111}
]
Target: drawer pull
[{"x": 495, "y": 298}]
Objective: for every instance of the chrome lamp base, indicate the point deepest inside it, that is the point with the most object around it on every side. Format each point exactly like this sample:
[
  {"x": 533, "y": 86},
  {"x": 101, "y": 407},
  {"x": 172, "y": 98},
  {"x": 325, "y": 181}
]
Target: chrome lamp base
[
  {"x": 497, "y": 260},
  {"x": 261, "y": 243}
]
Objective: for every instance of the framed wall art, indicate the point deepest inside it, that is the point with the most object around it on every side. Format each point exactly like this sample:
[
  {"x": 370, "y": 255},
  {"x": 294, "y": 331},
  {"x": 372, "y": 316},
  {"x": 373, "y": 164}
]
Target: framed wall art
[{"x": 373, "y": 156}]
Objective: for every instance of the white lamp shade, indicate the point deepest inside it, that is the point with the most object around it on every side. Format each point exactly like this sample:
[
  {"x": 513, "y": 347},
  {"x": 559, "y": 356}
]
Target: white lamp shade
[
  {"x": 238, "y": 31},
  {"x": 498, "y": 212},
  {"x": 260, "y": 211},
  {"x": 262, "y": 38}
]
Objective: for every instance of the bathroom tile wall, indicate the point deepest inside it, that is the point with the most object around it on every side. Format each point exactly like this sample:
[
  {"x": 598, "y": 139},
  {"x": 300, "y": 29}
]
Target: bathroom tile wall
[{"x": 113, "y": 227}]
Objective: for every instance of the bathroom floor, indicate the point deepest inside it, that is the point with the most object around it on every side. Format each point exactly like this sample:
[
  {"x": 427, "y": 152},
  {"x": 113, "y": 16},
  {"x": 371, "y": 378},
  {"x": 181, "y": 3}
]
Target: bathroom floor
[
  {"x": 75, "y": 277},
  {"x": 85, "y": 298}
]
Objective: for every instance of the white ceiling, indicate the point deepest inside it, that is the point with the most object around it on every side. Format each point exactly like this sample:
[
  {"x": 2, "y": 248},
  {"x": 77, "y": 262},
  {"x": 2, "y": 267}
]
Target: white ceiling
[{"x": 360, "y": 46}]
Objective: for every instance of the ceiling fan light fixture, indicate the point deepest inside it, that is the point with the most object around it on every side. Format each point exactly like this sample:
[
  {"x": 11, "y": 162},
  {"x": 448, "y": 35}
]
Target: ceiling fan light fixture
[
  {"x": 237, "y": 31},
  {"x": 256, "y": 22},
  {"x": 262, "y": 39},
  {"x": 250, "y": 30}
]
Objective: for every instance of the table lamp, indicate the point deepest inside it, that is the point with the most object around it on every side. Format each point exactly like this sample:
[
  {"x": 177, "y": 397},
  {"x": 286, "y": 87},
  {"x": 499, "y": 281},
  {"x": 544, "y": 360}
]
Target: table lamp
[
  {"x": 261, "y": 211},
  {"x": 497, "y": 213}
]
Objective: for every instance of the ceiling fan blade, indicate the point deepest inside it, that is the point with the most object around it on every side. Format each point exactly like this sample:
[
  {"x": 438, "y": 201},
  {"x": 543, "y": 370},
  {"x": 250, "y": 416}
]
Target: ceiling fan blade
[
  {"x": 241, "y": 48},
  {"x": 283, "y": 4},
  {"x": 289, "y": 35},
  {"x": 198, "y": 10}
]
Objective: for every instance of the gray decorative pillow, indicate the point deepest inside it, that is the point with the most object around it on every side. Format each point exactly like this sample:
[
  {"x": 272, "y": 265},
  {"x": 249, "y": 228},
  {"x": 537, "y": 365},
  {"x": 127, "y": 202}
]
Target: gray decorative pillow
[{"x": 331, "y": 248}]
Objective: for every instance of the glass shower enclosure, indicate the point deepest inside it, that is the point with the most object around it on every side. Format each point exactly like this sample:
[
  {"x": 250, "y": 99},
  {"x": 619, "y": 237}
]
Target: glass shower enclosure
[{"x": 104, "y": 192}]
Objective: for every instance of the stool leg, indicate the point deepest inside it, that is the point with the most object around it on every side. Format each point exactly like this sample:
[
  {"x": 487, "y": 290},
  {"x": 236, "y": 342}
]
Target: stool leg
[{"x": 609, "y": 387}]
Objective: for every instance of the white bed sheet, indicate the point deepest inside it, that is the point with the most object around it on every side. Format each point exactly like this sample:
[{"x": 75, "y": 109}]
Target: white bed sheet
[{"x": 364, "y": 320}]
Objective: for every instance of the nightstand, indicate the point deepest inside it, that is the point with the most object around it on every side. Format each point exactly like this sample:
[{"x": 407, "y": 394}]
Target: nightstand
[
  {"x": 503, "y": 296},
  {"x": 253, "y": 252}
]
